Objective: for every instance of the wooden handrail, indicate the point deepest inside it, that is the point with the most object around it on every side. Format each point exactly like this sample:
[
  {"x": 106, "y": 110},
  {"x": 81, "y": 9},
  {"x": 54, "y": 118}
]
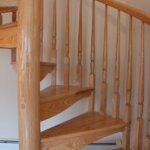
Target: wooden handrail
[
  {"x": 137, "y": 13},
  {"x": 8, "y": 9}
]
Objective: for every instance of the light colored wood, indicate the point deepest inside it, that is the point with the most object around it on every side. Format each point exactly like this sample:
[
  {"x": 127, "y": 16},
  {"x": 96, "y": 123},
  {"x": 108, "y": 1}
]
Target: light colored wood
[
  {"x": 139, "y": 120},
  {"x": 147, "y": 141},
  {"x": 75, "y": 142},
  {"x": 80, "y": 131},
  {"x": 121, "y": 149},
  {"x": 127, "y": 113},
  {"x": 141, "y": 15},
  {"x": 45, "y": 67},
  {"x": 13, "y": 57},
  {"x": 103, "y": 96},
  {"x": 1, "y": 19},
  {"x": 66, "y": 57},
  {"x": 28, "y": 59},
  {"x": 8, "y": 35},
  {"x": 56, "y": 99},
  {"x": 92, "y": 63},
  {"x": 41, "y": 28},
  {"x": 79, "y": 65},
  {"x": 8, "y": 9},
  {"x": 54, "y": 36},
  {"x": 116, "y": 95},
  {"x": 8, "y": 3},
  {"x": 13, "y": 51}
]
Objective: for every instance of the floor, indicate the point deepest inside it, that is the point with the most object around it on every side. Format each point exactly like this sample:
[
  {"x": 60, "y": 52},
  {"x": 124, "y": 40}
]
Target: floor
[
  {"x": 15, "y": 147},
  {"x": 99, "y": 148}
]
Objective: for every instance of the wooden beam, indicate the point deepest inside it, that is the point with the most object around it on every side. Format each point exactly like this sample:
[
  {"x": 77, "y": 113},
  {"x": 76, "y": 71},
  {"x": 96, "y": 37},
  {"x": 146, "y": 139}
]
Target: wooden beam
[
  {"x": 137, "y": 13},
  {"x": 28, "y": 49}
]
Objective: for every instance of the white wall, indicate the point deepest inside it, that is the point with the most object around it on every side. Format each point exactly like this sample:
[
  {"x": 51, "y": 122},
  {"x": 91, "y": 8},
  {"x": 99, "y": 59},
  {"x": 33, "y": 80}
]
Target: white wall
[
  {"x": 8, "y": 87},
  {"x": 8, "y": 95}
]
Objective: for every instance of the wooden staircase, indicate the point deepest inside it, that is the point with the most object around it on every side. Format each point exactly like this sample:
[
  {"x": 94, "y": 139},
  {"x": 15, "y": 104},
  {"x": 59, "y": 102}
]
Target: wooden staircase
[
  {"x": 86, "y": 128},
  {"x": 80, "y": 131}
]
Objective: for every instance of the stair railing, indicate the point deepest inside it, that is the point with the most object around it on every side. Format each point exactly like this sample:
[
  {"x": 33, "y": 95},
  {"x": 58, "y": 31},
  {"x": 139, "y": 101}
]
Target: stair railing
[{"x": 145, "y": 19}]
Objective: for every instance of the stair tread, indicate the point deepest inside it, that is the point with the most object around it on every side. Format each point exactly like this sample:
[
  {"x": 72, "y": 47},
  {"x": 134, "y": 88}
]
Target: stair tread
[
  {"x": 46, "y": 67},
  {"x": 8, "y": 25},
  {"x": 60, "y": 91},
  {"x": 55, "y": 99},
  {"x": 8, "y": 9},
  {"x": 86, "y": 123}
]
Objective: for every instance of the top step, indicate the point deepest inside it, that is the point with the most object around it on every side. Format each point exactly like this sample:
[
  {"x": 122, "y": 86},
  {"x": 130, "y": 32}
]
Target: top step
[{"x": 8, "y": 3}]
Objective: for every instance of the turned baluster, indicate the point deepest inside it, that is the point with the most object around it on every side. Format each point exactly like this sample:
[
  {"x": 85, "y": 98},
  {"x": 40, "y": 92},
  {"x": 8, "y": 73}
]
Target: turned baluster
[
  {"x": 127, "y": 118},
  {"x": 54, "y": 50},
  {"x": 92, "y": 63},
  {"x": 147, "y": 141},
  {"x": 1, "y": 19},
  {"x": 116, "y": 95},
  {"x": 139, "y": 120},
  {"x": 66, "y": 57},
  {"x": 41, "y": 28},
  {"x": 13, "y": 51},
  {"x": 79, "y": 65},
  {"x": 103, "y": 96}
]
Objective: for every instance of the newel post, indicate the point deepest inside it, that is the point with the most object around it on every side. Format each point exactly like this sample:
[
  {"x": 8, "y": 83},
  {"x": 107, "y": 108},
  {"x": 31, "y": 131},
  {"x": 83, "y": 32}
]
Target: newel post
[{"x": 28, "y": 74}]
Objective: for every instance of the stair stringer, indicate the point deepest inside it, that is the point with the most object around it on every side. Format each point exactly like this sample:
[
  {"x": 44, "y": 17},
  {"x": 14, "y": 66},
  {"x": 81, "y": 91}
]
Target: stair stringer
[{"x": 75, "y": 142}]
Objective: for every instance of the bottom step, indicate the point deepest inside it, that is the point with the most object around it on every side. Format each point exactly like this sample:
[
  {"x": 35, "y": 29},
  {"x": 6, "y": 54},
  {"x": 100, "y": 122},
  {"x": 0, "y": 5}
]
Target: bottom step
[{"x": 80, "y": 131}]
